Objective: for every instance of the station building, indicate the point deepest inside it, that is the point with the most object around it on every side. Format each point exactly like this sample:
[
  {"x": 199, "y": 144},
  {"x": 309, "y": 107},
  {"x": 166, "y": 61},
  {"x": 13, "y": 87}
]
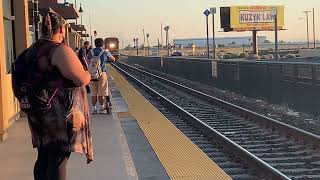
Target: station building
[
  {"x": 226, "y": 41},
  {"x": 14, "y": 38}
]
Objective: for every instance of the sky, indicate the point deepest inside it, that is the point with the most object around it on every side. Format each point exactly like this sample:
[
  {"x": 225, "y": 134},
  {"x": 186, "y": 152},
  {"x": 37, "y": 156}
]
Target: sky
[{"x": 126, "y": 19}]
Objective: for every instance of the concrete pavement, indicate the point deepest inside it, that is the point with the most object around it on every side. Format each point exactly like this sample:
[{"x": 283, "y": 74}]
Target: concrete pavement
[{"x": 115, "y": 158}]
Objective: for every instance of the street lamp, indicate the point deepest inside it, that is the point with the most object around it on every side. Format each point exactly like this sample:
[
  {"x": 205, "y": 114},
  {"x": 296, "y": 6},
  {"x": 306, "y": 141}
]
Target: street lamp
[
  {"x": 167, "y": 38},
  {"x": 307, "y": 16},
  {"x": 81, "y": 11}
]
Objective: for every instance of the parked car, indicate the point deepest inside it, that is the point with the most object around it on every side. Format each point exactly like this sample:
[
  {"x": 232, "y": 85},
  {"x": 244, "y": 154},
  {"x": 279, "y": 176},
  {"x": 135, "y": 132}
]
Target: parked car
[{"x": 176, "y": 53}]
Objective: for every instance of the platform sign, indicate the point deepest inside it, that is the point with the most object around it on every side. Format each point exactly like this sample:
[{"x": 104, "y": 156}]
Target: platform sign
[
  {"x": 206, "y": 12},
  {"x": 261, "y": 18},
  {"x": 154, "y": 51}
]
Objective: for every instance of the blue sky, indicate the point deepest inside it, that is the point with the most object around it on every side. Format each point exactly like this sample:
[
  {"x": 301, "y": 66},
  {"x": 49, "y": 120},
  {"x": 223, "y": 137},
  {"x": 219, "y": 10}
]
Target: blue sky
[{"x": 126, "y": 18}]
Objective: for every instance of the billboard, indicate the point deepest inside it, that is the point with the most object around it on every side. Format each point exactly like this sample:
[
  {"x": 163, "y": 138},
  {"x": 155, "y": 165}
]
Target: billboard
[{"x": 249, "y": 18}]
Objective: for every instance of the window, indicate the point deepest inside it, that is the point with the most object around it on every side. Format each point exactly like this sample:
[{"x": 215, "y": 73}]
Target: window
[{"x": 8, "y": 23}]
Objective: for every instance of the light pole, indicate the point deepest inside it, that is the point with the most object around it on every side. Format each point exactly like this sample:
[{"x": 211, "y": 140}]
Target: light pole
[
  {"x": 307, "y": 16},
  {"x": 275, "y": 15},
  {"x": 207, "y": 13},
  {"x": 213, "y": 11},
  {"x": 167, "y": 38}
]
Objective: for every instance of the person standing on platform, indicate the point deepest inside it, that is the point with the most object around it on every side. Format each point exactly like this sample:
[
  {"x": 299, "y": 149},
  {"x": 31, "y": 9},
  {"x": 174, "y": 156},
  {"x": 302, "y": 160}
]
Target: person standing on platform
[
  {"x": 98, "y": 58},
  {"x": 83, "y": 56},
  {"x": 48, "y": 80},
  {"x": 84, "y": 51},
  {"x": 76, "y": 50}
]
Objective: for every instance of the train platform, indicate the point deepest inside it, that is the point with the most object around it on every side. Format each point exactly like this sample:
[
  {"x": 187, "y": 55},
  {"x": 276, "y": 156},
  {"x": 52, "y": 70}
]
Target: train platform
[{"x": 135, "y": 142}]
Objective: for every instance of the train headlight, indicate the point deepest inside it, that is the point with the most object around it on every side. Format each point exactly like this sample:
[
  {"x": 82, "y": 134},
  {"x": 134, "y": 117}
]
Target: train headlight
[{"x": 112, "y": 45}]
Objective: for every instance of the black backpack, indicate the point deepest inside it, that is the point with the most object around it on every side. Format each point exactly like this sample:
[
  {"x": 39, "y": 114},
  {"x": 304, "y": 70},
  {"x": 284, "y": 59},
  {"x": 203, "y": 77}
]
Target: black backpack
[{"x": 28, "y": 82}]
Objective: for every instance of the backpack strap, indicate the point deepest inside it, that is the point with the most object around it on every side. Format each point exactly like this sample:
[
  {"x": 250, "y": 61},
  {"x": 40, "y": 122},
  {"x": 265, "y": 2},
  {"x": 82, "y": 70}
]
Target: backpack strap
[
  {"x": 100, "y": 54},
  {"x": 92, "y": 53}
]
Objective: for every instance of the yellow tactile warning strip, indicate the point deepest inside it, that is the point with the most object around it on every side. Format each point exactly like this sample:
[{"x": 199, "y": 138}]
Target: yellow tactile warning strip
[
  {"x": 124, "y": 114},
  {"x": 181, "y": 159}
]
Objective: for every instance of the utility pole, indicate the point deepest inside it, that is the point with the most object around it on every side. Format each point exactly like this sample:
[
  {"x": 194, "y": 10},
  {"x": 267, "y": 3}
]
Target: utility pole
[
  {"x": 307, "y": 15},
  {"x": 213, "y": 11},
  {"x": 36, "y": 19},
  {"x": 207, "y": 13},
  {"x": 314, "y": 30}
]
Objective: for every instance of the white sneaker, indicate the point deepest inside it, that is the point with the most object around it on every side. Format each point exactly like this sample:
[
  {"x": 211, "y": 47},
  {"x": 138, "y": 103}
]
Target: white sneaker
[
  {"x": 103, "y": 111},
  {"x": 94, "y": 111}
]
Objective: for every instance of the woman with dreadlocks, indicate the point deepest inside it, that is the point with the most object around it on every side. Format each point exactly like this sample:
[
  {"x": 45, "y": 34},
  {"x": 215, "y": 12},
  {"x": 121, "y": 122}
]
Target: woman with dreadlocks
[{"x": 61, "y": 126}]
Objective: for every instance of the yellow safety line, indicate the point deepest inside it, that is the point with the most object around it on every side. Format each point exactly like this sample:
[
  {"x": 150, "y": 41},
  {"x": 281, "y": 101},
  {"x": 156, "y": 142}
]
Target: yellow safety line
[{"x": 181, "y": 159}]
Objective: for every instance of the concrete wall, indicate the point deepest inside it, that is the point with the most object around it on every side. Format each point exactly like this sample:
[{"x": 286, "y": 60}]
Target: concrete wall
[
  {"x": 305, "y": 53},
  {"x": 9, "y": 110},
  {"x": 202, "y": 42},
  {"x": 292, "y": 83}
]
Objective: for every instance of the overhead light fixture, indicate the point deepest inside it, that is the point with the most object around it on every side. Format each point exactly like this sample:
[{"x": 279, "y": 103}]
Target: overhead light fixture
[
  {"x": 80, "y": 9},
  {"x": 66, "y": 4}
]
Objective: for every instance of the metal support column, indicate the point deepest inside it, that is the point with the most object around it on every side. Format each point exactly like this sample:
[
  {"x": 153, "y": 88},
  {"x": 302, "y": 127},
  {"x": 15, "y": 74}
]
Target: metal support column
[
  {"x": 36, "y": 18},
  {"x": 255, "y": 42}
]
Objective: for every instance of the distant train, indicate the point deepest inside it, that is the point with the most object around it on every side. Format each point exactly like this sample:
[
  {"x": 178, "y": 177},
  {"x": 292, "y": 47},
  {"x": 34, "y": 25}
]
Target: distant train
[{"x": 112, "y": 44}]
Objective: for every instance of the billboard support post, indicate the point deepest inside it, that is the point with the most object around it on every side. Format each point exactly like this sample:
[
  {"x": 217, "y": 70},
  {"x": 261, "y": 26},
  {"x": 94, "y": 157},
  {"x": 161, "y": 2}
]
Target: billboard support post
[
  {"x": 275, "y": 15},
  {"x": 314, "y": 30},
  {"x": 255, "y": 42},
  {"x": 307, "y": 16}
]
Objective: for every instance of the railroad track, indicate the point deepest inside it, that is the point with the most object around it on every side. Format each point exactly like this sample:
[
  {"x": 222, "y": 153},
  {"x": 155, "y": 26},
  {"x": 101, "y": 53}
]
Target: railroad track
[{"x": 265, "y": 147}]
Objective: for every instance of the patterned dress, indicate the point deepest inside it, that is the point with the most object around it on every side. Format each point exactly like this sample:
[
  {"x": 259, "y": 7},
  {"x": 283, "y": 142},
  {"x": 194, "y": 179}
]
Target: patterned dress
[{"x": 65, "y": 122}]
